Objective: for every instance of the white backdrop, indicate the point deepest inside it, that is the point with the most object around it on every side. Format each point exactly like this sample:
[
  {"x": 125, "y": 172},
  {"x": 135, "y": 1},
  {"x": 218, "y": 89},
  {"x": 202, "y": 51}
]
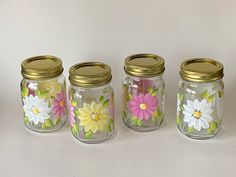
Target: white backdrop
[{"x": 108, "y": 31}]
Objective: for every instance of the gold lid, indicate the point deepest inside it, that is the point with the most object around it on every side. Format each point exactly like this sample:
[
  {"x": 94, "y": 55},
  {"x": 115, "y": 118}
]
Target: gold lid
[
  {"x": 90, "y": 74},
  {"x": 144, "y": 65},
  {"x": 41, "y": 67},
  {"x": 201, "y": 70}
]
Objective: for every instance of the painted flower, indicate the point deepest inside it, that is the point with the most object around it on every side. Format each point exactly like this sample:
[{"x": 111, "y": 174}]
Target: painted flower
[
  {"x": 93, "y": 117},
  {"x": 52, "y": 86},
  {"x": 143, "y": 106},
  {"x": 33, "y": 86},
  {"x": 143, "y": 85},
  {"x": 59, "y": 105},
  {"x": 71, "y": 114},
  {"x": 198, "y": 114},
  {"x": 36, "y": 109}
]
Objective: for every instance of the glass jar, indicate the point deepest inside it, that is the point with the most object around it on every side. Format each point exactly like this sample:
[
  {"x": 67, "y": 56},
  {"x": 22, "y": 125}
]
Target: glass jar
[
  {"x": 143, "y": 92},
  {"x": 43, "y": 91},
  {"x": 91, "y": 102},
  {"x": 200, "y": 98}
]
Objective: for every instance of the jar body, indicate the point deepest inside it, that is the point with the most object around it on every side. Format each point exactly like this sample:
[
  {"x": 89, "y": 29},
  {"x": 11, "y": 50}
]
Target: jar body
[
  {"x": 200, "y": 108},
  {"x": 143, "y": 102},
  {"x": 91, "y": 112},
  {"x": 44, "y": 103}
]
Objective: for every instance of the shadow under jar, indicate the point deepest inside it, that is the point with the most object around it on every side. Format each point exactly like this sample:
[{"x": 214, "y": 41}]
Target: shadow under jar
[
  {"x": 143, "y": 92},
  {"x": 43, "y": 91},
  {"x": 200, "y": 98},
  {"x": 91, "y": 102}
]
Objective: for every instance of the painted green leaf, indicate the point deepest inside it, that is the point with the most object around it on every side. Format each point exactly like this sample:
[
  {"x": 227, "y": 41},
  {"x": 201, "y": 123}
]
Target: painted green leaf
[
  {"x": 44, "y": 94},
  {"x": 75, "y": 129},
  {"x": 150, "y": 90},
  {"x": 221, "y": 93},
  {"x": 77, "y": 113},
  {"x": 154, "y": 92},
  {"x": 139, "y": 122},
  {"x": 205, "y": 94},
  {"x": 58, "y": 120},
  {"x": 111, "y": 122},
  {"x": 105, "y": 103},
  {"x": 129, "y": 96},
  {"x": 154, "y": 119},
  {"x": 37, "y": 92},
  {"x": 179, "y": 121},
  {"x": 88, "y": 134},
  {"x": 134, "y": 120},
  {"x": 43, "y": 126},
  {"x": 180, "y": 96},
  {"x": 24, "y": 91},
  {"x": 124, "y": 113},
  {"x": 108, "y": 128},
  {"x": 210, "y": 131},
  {"x": 48, "y": 123},
  {"x": 74, "y": 103},
  {"x": 190, "y": 129},
  {"x": 26, "y": 119},
  {"x": 101, "y": 99},
  {"x": 211, "y": 98},
  {"x": 213, "y": 125}
]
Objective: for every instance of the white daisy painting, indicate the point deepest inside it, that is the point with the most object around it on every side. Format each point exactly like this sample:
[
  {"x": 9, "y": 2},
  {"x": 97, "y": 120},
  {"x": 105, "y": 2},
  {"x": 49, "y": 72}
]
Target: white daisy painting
[
  {"x": 198, "y": 114},
  {"x": 36, "y": 109}
]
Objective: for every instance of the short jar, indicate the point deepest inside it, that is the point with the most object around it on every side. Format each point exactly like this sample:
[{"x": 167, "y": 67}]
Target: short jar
[
  {"x": 43, "y": 91},
  {"x": 91, "y": 102},
  {"x": 143, "y": 92},
  {"x": 200, "y": 98}
]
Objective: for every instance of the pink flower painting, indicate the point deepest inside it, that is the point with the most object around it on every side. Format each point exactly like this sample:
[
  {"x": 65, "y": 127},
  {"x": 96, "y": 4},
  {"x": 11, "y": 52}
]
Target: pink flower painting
[
  {"x": 59, "y": 105},
  {"x": 143, "y": 106},
  {"x": 71, "y": 114}
]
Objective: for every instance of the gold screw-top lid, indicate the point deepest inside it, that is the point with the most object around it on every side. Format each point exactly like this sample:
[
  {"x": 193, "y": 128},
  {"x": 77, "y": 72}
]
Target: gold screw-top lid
[
  {"x": 90, "y": 74},
  {"x": 201, "y": 70},
  {"x": 144, "y": 65},
  {"x": 41, "y": 67}
]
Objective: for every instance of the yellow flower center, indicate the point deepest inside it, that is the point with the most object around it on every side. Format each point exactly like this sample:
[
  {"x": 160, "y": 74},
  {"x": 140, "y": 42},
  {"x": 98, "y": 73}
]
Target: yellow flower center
[
  {"x": 95, "y": 116},
  {"x": 197, "y": 114},
  {"x": 143, "y": 106},
  {"x": 35, "y": 110},
  {"x": 62, "y": 103}
]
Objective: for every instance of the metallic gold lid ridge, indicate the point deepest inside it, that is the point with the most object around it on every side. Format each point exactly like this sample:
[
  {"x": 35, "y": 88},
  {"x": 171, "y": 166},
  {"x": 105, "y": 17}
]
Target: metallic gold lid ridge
[
  {"x": 41, "y": 67},
  {"x": 144, "y": 65},
  {"x": 90, "y": 74},
  {"x": 201, "y": 70}
]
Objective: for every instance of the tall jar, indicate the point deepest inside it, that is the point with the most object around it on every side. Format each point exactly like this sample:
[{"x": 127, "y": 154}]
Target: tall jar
[
  {"x": 91, "y": 102},
  {"x": 200, "y": 98},
  {"x": 43, "y": 91},
  {"x": 143, "y": 92}
]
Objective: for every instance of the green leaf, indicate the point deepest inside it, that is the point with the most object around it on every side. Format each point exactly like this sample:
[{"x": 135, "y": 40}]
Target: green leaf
[
  {"x": 134, "y": 120},
  {"x": 74, "y": 103},
  {"x": 75, "y": 129},
  {"x": 24, "y": 91},
  {"x": 124, "y": 113},
  {"x": 105, "y": 103},
  {"x": 213, "y": 125},
  {"x": 211, "y": 98},
  {"x": 77, "y": 113},
  {"x": 101, "y": 99},
  {"x": 139, "y": 122},
  {"x": 58, "y": 120},
  {"x": 205, "y": 94},
  {"x": 108, "y": 128},
  {"x": 210, "y": 131},
  {"x": 26, "y": 119},
  {"x": 180, "y": 96},
  {"x": 179, "y": 121},
  {"x": 48, "y": 123},
  {"x": 150, "y": 90},
  {"x": 43, "y": 126},
  {"x": 88, "y": 134},
  {"x": 221, "y": 93},
  {"x": 129, "y": 96},
  {"x": 44, "y": 94},
  {"x": 190, "y": 129},
  {"x": 154, "y": 119}
]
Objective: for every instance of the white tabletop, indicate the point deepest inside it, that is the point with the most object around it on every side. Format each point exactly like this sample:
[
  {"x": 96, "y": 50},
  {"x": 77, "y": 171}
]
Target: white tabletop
[{"x": 109, "y": 31}]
